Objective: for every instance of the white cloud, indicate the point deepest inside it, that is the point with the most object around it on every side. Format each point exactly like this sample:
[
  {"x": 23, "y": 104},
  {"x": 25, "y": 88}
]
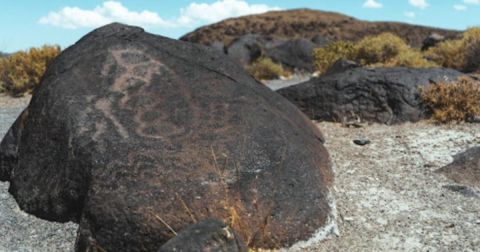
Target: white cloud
[
  {"x": 410, "y": 14},
  {"x": 110, "y": 11},
  {"x": 372, "y": 4},
  {"x": 459, "y": 7},
  {"x": 219, "y": 10},
  {"x": 422, "y": 4},
  {"x": 471, "y": 1},
  {"x": 113, "y": 11}
]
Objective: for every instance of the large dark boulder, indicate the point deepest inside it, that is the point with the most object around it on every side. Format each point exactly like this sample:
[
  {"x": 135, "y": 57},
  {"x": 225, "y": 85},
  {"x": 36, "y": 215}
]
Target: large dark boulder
[
  {"x": 295, "y": 54},
  {"x": 246, "y": 49},
  {"x": 384, "y": 95},
  {"x": 134, "y": 135},
  {"x": 465, "y": 169},
  {"x": 205, "y": 236}
]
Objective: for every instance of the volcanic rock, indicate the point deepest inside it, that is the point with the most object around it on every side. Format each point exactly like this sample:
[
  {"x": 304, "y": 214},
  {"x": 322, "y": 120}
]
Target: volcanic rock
[
  {"x": 246, "y": 49},
  {"x": 465, "y": 169},
  {"x": 384, "y": 95},
  {"x": 134, "y": 135},
  {"x": 205, "y": 236},
  {"x": 341, "y": 65},
  {"x": 295, "y": 54}
]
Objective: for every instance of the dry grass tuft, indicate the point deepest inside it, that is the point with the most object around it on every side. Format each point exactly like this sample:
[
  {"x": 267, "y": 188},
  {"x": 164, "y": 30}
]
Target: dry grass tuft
[
  {"x": 265, "y": 69},
  {"x": 453, "y": 101}
]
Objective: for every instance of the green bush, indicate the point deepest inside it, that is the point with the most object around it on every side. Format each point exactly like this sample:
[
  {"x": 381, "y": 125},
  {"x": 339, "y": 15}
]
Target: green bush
[
  {"x": 453, "y": 101},
  {"x": 461, "y": 54},
  {"x": 383, "y": 50},
  {"x": 326, "y": 56},
  {"x": 265, "y": 69},
  {"x": 22, "y": 71}
]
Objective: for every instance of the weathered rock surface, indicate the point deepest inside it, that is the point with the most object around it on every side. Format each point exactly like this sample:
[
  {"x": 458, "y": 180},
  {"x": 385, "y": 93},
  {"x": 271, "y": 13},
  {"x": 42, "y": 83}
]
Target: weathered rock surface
[
  {"x": 246, "y": 49},
  {"x": 340, "y": 66},
  {"x": 465, "y": 169},
  {"x": 384, "y": 95},
  {"x": 133, "y": 135},
  {"x": 294, "y": 54},
  {"x": 205, "y": 236}
]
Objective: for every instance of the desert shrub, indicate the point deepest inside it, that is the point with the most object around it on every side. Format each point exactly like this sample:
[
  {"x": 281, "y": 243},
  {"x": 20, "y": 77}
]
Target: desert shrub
[
  {"x": 447, "y": 54},
  {"x": 379, "y": 49},
  {"x": 326, "y": 56},
  {"x": 453, "y": 101},
  {"x": 22, "y": 71},
  {"x": 389, "y": 50},
  {"x": 265, "y": 69},
  {"x": 409, "y": 58},
  {"x": 471, "y": 43},
  {"x": 383, "y": 50},
  {"x": 461, "y": 54}
]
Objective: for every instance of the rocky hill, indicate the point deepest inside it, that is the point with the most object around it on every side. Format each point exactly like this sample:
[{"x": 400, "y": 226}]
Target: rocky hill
[{"x": 306, "y": 23}]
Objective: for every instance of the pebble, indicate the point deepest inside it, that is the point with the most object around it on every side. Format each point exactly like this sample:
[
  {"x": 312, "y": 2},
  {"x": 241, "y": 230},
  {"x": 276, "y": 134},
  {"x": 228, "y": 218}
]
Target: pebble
[{"x": 361, "y": 142}]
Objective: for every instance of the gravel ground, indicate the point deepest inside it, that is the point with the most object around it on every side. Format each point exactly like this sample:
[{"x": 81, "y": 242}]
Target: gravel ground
[
  {"x": 388, "y": 196},
  {"x": 20, "y": 231}
]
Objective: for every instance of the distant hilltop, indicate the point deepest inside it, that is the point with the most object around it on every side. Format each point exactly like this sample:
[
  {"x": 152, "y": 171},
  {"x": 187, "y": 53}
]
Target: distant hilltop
[{"x": 306, "y": 23}]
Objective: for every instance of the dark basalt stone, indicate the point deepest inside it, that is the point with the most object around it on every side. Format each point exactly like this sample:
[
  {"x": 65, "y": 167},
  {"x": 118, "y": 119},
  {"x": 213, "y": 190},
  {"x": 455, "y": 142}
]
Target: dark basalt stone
[
  {"x": 340, "y": 66},
  {"x": 383, "y": 95},
  {"x": 205, "y": 236},
  {"x": 294, "y": 54},
  {"x": 361, "y": 142},
  {"x": 465, "y": 168},
  {"x": 132, "y": 135}
]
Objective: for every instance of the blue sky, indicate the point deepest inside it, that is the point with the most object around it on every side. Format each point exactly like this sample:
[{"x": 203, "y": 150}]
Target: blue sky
[{"x": 27, "y": 23}]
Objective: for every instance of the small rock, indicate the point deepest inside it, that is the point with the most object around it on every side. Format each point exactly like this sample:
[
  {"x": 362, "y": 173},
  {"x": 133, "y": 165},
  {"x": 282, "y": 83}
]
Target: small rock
[
  {"x": 361, "y": 142},
  {"x": 473, "y": 119},
  {"x": 352, "y": 125},
  {"x": 463, "y": 190}
]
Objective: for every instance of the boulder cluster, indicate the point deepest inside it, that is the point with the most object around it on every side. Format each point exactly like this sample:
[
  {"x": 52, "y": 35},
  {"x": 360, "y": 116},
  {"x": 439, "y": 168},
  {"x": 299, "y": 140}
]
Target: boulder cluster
[{"x": 295, "y": 54}]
